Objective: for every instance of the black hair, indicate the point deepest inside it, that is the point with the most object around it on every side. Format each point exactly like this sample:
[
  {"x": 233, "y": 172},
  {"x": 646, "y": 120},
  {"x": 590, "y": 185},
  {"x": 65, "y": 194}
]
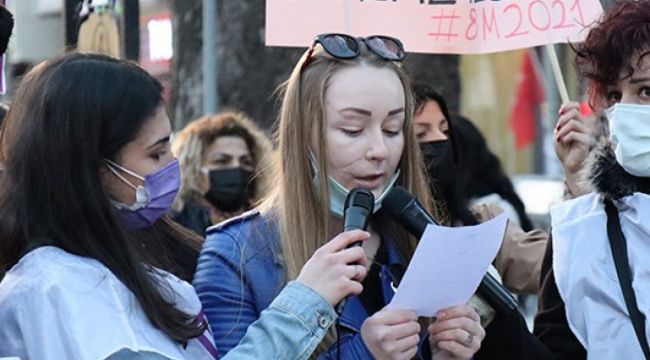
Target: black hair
[
  {"x": 3, "y": 113},
  {"x": 68, "y": 115},
  {"x": 480, "y": 172},
  {"x": 456, "y": 202},
  {"x": 424, "y": 93},
  {"x": 6, "y": 28}
]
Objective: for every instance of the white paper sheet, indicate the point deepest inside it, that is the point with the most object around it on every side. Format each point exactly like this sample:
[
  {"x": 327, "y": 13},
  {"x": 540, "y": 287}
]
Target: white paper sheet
[{"x": 448, "y": 266}]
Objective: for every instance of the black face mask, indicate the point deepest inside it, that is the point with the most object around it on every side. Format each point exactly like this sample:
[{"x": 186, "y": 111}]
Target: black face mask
[
  {"x": 230, "y": 189},
  {"x": 439, "y": 160}
]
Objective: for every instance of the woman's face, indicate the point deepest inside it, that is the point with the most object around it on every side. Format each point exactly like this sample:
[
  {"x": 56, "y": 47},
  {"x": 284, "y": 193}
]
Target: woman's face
[
  {"x": 147, "y": 153},
  {"x": 634, "y": 89},
  {"x": 364, "y": 121},
  {"x": 225, "y": 152},
  {"x": 430, "y": 123}
]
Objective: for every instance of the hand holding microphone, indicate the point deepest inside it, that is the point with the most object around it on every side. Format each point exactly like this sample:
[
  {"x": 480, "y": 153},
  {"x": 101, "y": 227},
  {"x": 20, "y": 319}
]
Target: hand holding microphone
[
  {"x": 357, "y": 210},
  {"x": 337, "y": 268}
]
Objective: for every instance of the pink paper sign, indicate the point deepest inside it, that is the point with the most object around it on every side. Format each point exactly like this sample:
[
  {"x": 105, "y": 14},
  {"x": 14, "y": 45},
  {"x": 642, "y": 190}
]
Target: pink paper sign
[{"x": 435, "y": 26}]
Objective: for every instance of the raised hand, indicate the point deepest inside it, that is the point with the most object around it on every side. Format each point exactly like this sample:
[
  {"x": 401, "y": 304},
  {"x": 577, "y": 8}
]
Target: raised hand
[
  {"x": 575, "y": 135},
  {"x": 334, "y": 271}
]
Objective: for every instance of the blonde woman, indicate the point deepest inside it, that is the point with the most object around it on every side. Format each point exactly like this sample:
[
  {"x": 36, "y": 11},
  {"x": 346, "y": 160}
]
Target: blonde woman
[
  {"x": 81, "y": 283},
  {"x": 220, "y": 156},
  {"x": 345, "y": 122}
]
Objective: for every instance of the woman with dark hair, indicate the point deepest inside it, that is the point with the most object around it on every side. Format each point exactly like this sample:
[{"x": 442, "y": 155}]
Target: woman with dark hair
[
  {"x": 595, "y": 296},
  {"x": 92, "y": 263},
  {"x": 481, "y": 174},
  {"x": 518, "y": 260},
  {"x": 450, "y": 146},
  {"x": 441, "y": 152}
]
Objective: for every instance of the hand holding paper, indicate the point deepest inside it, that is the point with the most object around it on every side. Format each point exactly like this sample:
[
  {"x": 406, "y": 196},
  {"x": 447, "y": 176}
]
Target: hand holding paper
[{"x": 448, "y": 266}]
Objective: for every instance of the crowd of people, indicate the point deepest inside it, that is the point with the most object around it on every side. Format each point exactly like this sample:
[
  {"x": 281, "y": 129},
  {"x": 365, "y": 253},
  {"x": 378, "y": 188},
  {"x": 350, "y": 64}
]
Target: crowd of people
[{"x": 122, "y": 240}]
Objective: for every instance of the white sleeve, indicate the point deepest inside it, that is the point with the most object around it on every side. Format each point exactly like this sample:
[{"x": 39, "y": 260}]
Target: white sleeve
[{"x": 80, "y": 319}]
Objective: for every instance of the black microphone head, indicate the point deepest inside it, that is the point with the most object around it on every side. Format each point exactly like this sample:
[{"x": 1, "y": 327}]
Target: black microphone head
[
  {"x": 359, "y": 205},
  {"x": 396, "y": 200},
  {"x": 405, "y": 208},
  {"x": 360, "y": 197}
]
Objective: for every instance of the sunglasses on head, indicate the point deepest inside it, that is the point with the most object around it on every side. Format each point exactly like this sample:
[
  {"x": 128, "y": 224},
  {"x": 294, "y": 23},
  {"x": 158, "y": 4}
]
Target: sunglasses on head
[{"x": 346, "y": 47}]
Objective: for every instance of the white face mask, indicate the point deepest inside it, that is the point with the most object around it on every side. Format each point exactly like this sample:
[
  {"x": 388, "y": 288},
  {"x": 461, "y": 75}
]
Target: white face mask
[
  {"x": 141, "y": 195},
  {"x": 338, "y": 192},
  {"x": 629, "y": 126}
]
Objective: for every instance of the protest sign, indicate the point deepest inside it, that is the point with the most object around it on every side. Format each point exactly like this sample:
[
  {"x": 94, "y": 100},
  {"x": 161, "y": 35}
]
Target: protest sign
[{"x": 435, "y": 26}]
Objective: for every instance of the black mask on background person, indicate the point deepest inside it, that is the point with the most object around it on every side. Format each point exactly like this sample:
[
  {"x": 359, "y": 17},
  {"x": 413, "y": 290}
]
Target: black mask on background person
[
  {"x": 230, "y": 189},
  {"x": 439, "y": 160}
]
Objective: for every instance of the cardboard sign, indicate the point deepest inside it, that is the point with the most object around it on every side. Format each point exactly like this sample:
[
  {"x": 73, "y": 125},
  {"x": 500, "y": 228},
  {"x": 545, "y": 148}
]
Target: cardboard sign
[
  {"x": 435, "y": 26},
  {"x": 100, "y": 34}
]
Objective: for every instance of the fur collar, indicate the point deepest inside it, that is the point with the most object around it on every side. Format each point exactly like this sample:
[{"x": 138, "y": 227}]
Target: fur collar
[{"x": 607, "y": 177}]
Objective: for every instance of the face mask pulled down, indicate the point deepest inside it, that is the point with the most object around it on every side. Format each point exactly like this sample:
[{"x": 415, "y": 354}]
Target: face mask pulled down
[{"x": 338, "y": 192}]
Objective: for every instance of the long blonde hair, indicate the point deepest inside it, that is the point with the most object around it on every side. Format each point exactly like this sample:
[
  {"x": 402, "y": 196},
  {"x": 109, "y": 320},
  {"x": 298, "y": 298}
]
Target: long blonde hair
[
  {"x": 302, "y": 214},
  {"x": 191, "y": 143},
  {"x": 293, "y": 201}
]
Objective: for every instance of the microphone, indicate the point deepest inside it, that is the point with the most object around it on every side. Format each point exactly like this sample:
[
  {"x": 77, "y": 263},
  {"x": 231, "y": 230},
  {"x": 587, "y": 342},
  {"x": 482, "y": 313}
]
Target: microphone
[
  {"x": 358, "y": 207},
  {"x": 409, "y": 213}
]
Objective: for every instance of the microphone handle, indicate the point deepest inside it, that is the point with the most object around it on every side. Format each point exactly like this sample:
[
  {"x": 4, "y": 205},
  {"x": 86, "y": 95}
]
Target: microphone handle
[
  {"x": 348, "y": 227},
  {"x": 495, "y": 295},
  {"x": 341, "y": 305}
]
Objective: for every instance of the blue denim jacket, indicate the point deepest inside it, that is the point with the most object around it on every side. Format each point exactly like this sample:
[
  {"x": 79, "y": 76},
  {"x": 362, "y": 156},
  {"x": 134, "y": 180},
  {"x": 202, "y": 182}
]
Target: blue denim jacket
[
  {"x": 239, "y": 273},
  {"x": 290, "y": 328}
]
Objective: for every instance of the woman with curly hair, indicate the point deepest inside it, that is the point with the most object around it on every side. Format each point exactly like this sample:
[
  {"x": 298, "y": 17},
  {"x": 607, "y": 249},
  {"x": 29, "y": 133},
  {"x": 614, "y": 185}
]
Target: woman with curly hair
[
  {"x": 221, "y": 157},
  {"x": 595, "y": 292}
]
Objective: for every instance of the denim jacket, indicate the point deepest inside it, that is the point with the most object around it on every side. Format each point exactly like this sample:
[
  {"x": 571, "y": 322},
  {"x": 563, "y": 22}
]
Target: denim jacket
[{"x": 239, "y": 273}]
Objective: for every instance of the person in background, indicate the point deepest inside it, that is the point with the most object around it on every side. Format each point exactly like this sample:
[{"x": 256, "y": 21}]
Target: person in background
[
  {"x": 221, "y": 159},
  {"x": 482, "y": 177},
  {"x": 594, "y": 296},
  {"x": 85, "y": 179},
  {"x": 446, "y": 153},
  {"x": 344, "y": 123},
  {"x": 518, "y": 261}
]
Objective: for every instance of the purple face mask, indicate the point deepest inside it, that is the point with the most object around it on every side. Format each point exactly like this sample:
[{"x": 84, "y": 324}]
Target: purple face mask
[{"x": 154, "y": 199}]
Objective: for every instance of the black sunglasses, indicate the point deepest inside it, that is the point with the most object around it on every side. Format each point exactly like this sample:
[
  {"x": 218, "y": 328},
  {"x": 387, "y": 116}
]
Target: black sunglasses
[{"x": 346, "y": 47}]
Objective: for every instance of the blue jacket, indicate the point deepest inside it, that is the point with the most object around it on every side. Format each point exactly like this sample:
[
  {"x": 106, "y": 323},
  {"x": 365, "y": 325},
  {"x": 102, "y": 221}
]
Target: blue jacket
[{"x": 239, "y": 273}]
